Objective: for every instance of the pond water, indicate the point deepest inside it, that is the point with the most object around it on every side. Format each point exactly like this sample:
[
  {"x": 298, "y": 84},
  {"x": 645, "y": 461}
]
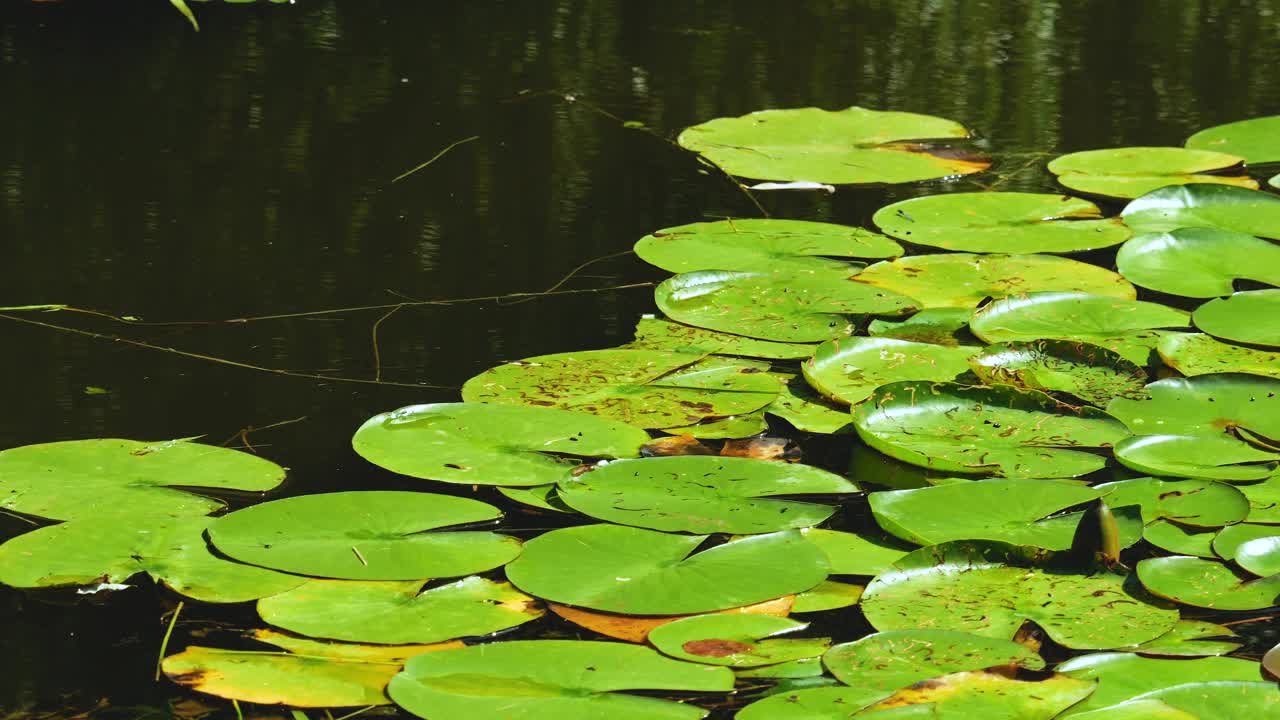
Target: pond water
[{"x": 245, "y": 171}]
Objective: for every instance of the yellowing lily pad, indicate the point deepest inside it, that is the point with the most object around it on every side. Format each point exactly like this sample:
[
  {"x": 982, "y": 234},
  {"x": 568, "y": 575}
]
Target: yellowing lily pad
[{"x": 272, "y": 678}]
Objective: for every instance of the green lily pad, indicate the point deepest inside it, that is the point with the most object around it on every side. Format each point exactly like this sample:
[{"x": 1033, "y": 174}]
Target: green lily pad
[
  {"x": 1250, "y": 317},
  {"x": 1001, "y": 222},
  {"x": 840, "y": 147},
  {"x": 860, "y": 553},
  {"x": 1229, "y": 539},
  {"x": 479, "y": 444},
  {"x": 985, "y": 431},
  {"x": 1200, "y": 354},
  {"x": 939, "y": 326},
  {"x": 1207, "y": 584},
  {"x": 643, "y": 572},
  {"x": 1021, "y": 512},
  {"x": 1260, "y": 556},
  {"x": 1251, "y": 212},
  {"x": 804, "y": 670},
  {"x": 806, "y": 410},
  {"x": 1190, "y": 638},
  {"x": 541, "y": 497},
  {"x": 1274, "y": 182},
  {"x": 91, "y": 478},
  {"x": 273, "y": 678},
  {"x": 827, "y": 595},
  {"x": 365, "y": 535},
  {"x": 1257, "y": 140},
  {"x": 986, "y": 695},
  {"x": 991, "y": 589},
  {"x": 1219, "y": 700},
  {"x": 1132, "y": 171},
  {"x": 783, "y": 306},
  {"x": 1204, "y": 405},
  {"x": 1124, "y": 676},
  {"x": 655, "y": 334},
  {"x": 762, "y": 245},
  {"x": 396, "y": 613},
  {"x": 848, "y": 370},
  {"x": 735, "y": 640},
  {"x": 733, "y": 427},
  {"x": 964, "y": 280},
  {"x": 346, "y": 651},
  {"x": 552, "y": 680},
  {"x": 704, "y": 494},
  {"x": 896, "y": 659},
  {"x": 1198, "y": 503},
  {"x": 820, "y": 703},
  {"x": 1181, "y": 539},
  {"x": 1264, "y": 501},
  {"x": 1091, "y": 373},
  {"x": 645, "y": 388},
  {"x": 1198, "y": 262},
  {"x": 111, "y": 550},
  {"x": 1216, "y": 457}
]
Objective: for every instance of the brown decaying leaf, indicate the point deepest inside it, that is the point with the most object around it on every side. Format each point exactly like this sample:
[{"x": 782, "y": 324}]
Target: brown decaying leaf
[
  {"x": 636, "y": 628},
  {"x": 762, "y": 447},
  {"x": 675, "y": 445}
]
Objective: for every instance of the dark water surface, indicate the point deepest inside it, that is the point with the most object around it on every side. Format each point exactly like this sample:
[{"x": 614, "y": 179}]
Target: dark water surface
[{"x": 150, "y": 171}]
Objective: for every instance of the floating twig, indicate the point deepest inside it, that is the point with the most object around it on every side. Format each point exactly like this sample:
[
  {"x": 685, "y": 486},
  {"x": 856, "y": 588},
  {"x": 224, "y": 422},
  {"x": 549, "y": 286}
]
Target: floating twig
[{"x": 435, "y": 157}]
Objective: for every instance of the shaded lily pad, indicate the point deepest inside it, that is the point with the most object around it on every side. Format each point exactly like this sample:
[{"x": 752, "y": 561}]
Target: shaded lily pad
[
  {"x": 92, "y": 478},
  {"x": 827, "y": 595},
  {"x": 347, "y": 651},
  {"x": 848, "y": 370},
  {"x": 272, "y": 678},
  {"x": 820, "y": 703},
  {"x": 1248, "y": 317},
  {"x": 1001, "y": 222},
  {"x": 1251, "y": 212},
  {"x": 1181, "y": 539},
  {"x": 365, "y": 535},
  {"x": 1199, "y": 503},
  {"x": 859, "y": 553},
  {"x": 655, "y": 334},
  {"x": 1089, "y": 372},
  {"x": 991, "y": 589},
  {"x": 645, "y": 388},
  {"x": 1191, "y": 638},
  {"x": 398, "y": 612},
  {"x": 940, "y": 326},
  {"x": 643, "y": 572},
  {"x": 986, "y": 695},
  {"x": 732, "y": 427},
  {"x": 783, "y": 306},
  {"x": 1204, "y": 405},
  {"x": 1264, "y": 501},
  {"x": 551, "y": 680},
  {"x": 1198, "y": 262},
  {"x": 1201, "y": 354},
  {"x": 1132, "y": 171},
  {"x": 841, "y": 147},
  {"x": 801, "y": 406},
  {"x": 985, "y": 431},
  {"x": 1123, "y": 676},
  {"x": 480, "y": 444},
  {"x": 541, "y": 497},
  {"x": 964, "y": 280},
  {"x": 1260, "y": 556},
  {"x": 1207, "y": 584},
  {"x": 736, "y": 640},
  {"x": 895, "y": 659},
  {"x": 1217, "y": 457},
  {"x": 762, "y": 245},
  {"x": 1257, "y": 140}
]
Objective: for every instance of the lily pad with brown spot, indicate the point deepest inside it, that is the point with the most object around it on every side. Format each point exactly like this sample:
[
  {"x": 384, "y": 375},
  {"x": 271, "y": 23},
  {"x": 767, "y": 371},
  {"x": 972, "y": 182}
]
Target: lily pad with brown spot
[
  {"x": 736, "y": 640},
  {"x": 636, "y": 628}
]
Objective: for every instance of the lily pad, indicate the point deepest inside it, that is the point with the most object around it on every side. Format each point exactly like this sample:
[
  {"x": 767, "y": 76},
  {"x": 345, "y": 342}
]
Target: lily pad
[
  {"x": 1250, "y": 317},
  {"x": 1274, "y": 182},
  {"x": 801, "y": 406},
  {"x": 645, "y": 388},
  {"x": 986, "y": 695},
  {"x": 848, "y": 370},
  {"x": 1229, "y": 539},
  {"x": 1241, "y": 210},
  {"x": 985, "y": 431},
  {"x": 1260, "y": 556},
  {"x": 636, "y": 628},
  {"x": 1216, "y": 457},
  {"x": 551, "y": 680},
  {"x": 1198, "y": 262},
  {"x": 540, "y": 497},
  {"x": 820, "y": 703},
  {"x": 643, "y": 572},
  {"x": 827, "y": 595},
  {"x": 896, "y": 659},
  {"x": 92, "y": 478},
  {"x": 1264, "y": 501},
  {"x": 939, "y": 326},
  {"x": 841, "y": 147},
  {"x": 1204, "y": 405},
  {"x": 861, "y": 553},
  {"x": 347, "y": 651},
  {"x": 1191, "y": 638},
  {"x": 398, "y": 612},
  {"x": 1207, "y": 584},
  {"x": 991, "y": 589},
  {"x": 365, "y": 535},
  {"x": 704, "y": 494},
  {"x": 655, "y": 334},
  {"x": 732, "y": 427},
  {"x": 782, "y": 306},
  {"x": 1091, "y": 373},
  {"x": 762, "y": 245},
  {"x": 1124, "y": 676},
  {"x": 736, "y": 640},
  {"x": 1257, "y": 140},
  {"x": 1132, "y": 171},
  {"x": 272, "y": 678},
  {"x": 964, "y": 280},
  {"x": 1200, "y": 354},
  {"x": 1181, "y": 539},
  {"x": 480, "y": 444},
  {"x": 1198, "y": 503},
  {"x": 1219, "y": 700},
  {"x": 1001, "y": 222}
]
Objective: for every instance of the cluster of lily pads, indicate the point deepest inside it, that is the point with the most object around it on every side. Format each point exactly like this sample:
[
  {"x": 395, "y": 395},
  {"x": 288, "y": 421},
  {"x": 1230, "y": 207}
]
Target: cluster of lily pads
[{"x": 1067, "y": 482}]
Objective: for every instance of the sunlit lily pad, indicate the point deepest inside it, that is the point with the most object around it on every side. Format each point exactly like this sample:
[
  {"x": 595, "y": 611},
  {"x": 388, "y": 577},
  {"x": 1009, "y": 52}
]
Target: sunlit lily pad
[
  {"x": 783, "y": 306},
  {"x": 806, "y": 672},
  {"x": 636, "y": 628},
  {"x": 861, "y": 553},
  {"x": 1181, "y": 539},
  {"x": 347, "y": 651},
  {"x": 991, "y": 588},
  {"x": 1251, "y": 212},
  {"x": 963, "y": 280},
  {"x": 1191, "y": 638},
  {"x": 985, "y": 431},
  {"x": 1264, "y": 501},
  {"x": 1205, "y": 405},
  {"x": 1132, "y": 171},
  {"x": 1001, "y": 222},
  {"x": 733, "y": 427},
  {"x": 827, "y": 595},
  {"x": 1199, "y": 503},
  {"x": 552, "y": 680},
  {"x": 1198, "y": 261},
  {"x": 821, "y": 703},
  {"x": 1216, "y": 457},
  {"x": 1230, "y": 539},
  {"x": 1274, "y": 182},
  {"x": 736, "y": 640},
  {"x": 1123, "y": 676},
  {"x": 1208, "y": 584},
  {"x": 939, "y": 326},
  {"x": 1217, "y": 700},
  {"x": 398, "y": 612},
  {"x": 986, "y": 695},
  {"x": 801, "y": 406},
  {"x": 1251, "y": 317},
  {"x": 482, "y": 444},
  {"x": 762, "y": 245},
  {"x": 841, "y": 147},
  {"x": 1091, "y": 373},
  {"x": 848, "y": 370},
  {"x": 365, "y": 535},
  {"x": 655, "y": 334},
  {"x": 1201, "y": 354},
  {"x": 643, "y": 572},
  {"x": 1257, "y": 140},
  {"x": 1260, "y": 556},
  {"x": 897, "y": 658},
  {"x": 93, "y": 478},
  {"x": 272, "y": 678},
  {"x": 645, "y": 388}
]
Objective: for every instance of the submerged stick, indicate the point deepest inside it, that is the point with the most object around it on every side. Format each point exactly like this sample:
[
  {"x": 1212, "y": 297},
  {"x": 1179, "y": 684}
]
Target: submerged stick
[
  {"x": 168, "y": 633},
  {"x": 435, "y": 157}
]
